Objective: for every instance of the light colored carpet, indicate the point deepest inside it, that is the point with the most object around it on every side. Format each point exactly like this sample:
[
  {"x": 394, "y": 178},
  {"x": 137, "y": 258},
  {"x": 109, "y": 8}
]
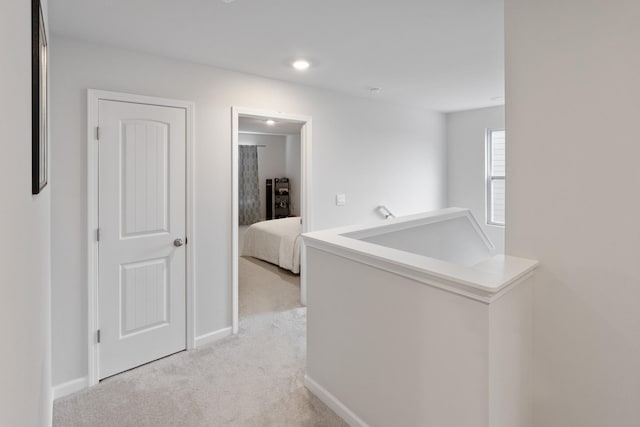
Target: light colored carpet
[{"x": 253, "y": 379}]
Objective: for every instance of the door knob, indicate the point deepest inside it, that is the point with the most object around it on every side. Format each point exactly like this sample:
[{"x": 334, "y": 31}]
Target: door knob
[{"x": 178, "y": 242}]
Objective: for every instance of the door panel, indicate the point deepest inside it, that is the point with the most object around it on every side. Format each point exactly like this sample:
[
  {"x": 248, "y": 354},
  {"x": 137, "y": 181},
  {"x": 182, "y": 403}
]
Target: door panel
[
  {"x": 144, "y": 296},
  {"x": 142, "y": 210},
  {"x": 145, "y": 160}
]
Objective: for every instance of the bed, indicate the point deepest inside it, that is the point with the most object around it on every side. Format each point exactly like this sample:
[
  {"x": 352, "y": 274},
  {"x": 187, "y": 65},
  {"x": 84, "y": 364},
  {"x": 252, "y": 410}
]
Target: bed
[{"x": 276, "y": 241}]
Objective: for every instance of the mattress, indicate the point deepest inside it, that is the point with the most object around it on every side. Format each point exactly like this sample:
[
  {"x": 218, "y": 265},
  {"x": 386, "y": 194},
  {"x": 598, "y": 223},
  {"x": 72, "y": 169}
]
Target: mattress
[{"x": 276, "y": 241}]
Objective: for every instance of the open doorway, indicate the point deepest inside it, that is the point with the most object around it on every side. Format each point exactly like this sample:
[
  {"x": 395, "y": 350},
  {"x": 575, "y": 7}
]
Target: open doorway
[{"x": 271, "y": 159}]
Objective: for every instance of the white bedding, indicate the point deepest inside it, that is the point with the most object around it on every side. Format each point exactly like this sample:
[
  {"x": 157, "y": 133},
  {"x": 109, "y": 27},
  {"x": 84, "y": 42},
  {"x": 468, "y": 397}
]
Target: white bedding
[{"x": 276, "y": 241}]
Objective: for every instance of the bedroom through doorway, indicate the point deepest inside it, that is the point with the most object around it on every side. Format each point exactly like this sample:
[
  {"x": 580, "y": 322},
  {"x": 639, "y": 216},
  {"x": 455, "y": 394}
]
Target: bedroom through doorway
[{"x": 271, "y": 154}]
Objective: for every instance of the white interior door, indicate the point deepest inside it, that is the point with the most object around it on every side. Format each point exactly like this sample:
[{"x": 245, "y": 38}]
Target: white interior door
[{"x": 142, "y": 229}]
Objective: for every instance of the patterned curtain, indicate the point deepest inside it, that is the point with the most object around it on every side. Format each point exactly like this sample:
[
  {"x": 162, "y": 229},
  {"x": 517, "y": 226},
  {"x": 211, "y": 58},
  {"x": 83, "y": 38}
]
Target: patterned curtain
[{"x": 248, "y": 185}]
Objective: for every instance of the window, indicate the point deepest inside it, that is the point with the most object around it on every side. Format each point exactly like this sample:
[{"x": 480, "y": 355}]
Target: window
[{"x": 495, "y": 176}]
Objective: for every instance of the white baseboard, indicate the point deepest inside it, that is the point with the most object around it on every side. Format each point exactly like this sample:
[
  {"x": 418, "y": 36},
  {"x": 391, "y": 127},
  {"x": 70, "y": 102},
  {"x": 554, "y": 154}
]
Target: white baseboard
[
  {"x": 70, "y": 387},
  {"x": 214, "y": 336},
  {"x": 332, "y": 402},
  {"x": 78, "y": 384}
]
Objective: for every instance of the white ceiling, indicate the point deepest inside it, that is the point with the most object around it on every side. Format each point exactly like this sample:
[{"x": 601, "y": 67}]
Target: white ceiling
[
  {"x": 259, "y": 125},
  {"x": 445, "y": 55}
]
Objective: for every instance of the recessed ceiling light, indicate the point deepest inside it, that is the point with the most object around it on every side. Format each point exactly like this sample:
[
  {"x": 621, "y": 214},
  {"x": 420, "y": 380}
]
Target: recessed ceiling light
[
  {"x": 270, "y": 122},
  {"x": 228, "y": 1},
  {"x": 300, "y": 64}
]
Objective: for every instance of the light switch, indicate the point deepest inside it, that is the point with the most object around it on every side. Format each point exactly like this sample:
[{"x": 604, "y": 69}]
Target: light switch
[{"x": 341, "y": 199}]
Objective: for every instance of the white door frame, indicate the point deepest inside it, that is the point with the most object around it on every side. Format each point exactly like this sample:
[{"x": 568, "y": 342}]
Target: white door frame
[
  {"x": 93, "y": 98},
  {"x": 305, "y": 198}
]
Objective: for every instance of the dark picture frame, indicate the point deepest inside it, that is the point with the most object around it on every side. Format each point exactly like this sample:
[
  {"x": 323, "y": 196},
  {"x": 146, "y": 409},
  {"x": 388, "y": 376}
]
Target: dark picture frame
[{"x": 39, "y": 92}]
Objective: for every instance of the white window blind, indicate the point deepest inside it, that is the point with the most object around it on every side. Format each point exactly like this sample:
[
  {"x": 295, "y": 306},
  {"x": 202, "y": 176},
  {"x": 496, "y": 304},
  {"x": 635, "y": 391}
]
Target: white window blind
[{"x": 496, "y": 160}]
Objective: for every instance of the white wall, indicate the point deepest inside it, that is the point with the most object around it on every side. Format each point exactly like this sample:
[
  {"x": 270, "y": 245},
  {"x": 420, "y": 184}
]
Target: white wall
[
  {"x": 398, "y": 352},
  {"x": 466, "y": 164},
  {"x": 25, "y": 328},
  {"x": 573, "y": 201},
  {"x": 361, "y": 147},
  {"x": 294, "y": 162},
  {"x": 272, "y": 160}
]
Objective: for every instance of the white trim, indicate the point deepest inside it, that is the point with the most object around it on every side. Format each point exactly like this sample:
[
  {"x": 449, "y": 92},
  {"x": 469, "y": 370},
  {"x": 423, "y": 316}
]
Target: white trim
[
  {"x": 234, "y": 220},
  {"x": 453, "y": 285},
  {"x": 70, "y": 387},
  {"x": 249, "y": 132},
  {"x": 93, "y": 98},
  {"x": 334, "y": 403},
  {"x": 92, "y": 244},
  {"x": 212, "y": 337},
  {"x": 305, "y": 202},
  {"x": 191, "y": 225},
  {"x": 486, "y": 281}
]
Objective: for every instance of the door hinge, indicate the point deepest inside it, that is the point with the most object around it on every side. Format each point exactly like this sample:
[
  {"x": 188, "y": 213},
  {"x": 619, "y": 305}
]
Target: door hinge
[
  {"x": 98, "y": 336},
  {"x": 98, "y": 133},
  {"x": 98, "y": 234}
]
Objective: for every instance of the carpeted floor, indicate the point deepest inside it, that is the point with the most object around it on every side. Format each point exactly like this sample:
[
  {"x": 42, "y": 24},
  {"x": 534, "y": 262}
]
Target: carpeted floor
[{"x": 252, "y": 379}]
